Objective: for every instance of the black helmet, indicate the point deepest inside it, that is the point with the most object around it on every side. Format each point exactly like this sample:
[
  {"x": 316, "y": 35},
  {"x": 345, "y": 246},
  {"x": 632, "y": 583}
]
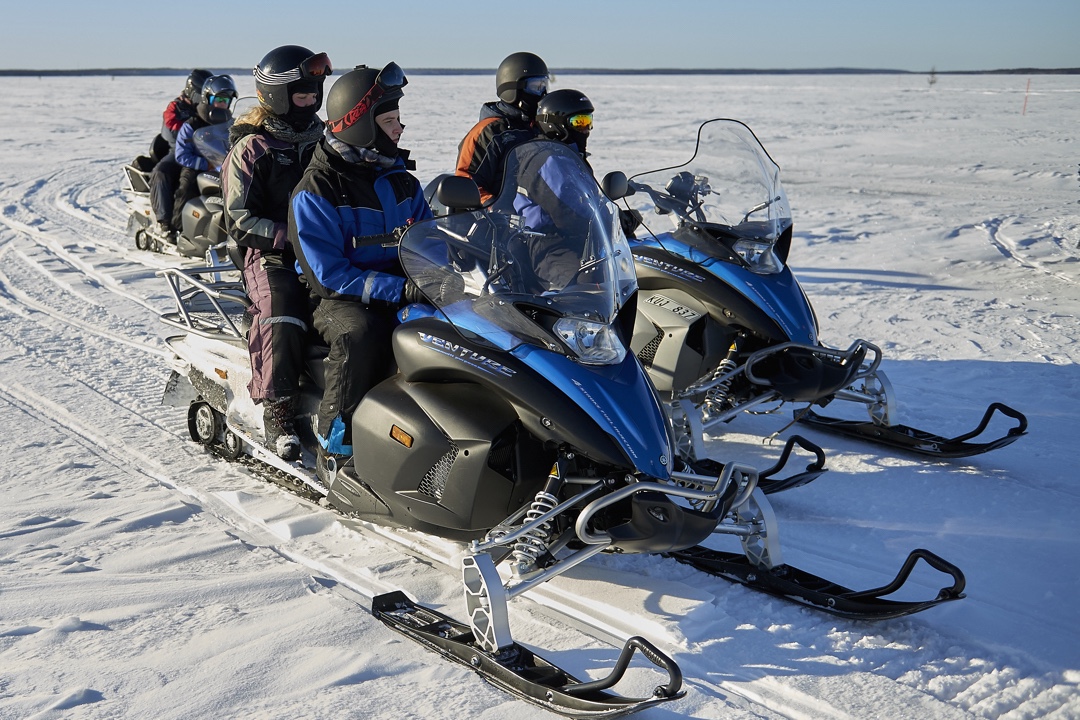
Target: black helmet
[
  {"x": 193, "y": 86},
  {"x": 555, "y": 111},
  {"x": 357, "y": 97},
  {"x": 514, "y": 71},
  {"x": 290, "y": 69},
  {"x": 216, "y": 86}
]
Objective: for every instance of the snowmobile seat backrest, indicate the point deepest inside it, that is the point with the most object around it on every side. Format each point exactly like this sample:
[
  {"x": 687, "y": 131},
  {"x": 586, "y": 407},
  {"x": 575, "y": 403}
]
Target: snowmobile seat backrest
[{"x": 159, "y": 147}]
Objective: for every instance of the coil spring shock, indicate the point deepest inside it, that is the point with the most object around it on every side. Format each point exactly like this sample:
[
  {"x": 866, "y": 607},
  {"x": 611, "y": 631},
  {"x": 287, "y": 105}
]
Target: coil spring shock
[
  {"x": 534, "y": 543},
  {"x": 714, "y": 399}
]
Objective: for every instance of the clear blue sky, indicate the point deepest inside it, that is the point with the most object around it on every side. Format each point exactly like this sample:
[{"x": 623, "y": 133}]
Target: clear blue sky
[{"x": 897, "y": 34}]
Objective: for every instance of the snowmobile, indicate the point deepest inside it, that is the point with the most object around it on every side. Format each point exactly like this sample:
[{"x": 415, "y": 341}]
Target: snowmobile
[
  {"x": 724, "y": 327},
  {"x": 202, "y": 234},
  {"x": 517, "y": 425}
]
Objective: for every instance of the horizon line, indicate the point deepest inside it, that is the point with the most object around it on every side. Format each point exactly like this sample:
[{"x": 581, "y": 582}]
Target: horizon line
[{"x": 23, "y": 72}]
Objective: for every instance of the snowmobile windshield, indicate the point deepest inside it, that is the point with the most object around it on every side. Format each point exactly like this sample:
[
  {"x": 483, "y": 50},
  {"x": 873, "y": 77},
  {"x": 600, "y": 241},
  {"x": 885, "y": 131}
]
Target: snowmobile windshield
[
  {"x": 545, "y": 264},
  {"x": 212, "y": 142},
  {"x": 726, "y": 200}
]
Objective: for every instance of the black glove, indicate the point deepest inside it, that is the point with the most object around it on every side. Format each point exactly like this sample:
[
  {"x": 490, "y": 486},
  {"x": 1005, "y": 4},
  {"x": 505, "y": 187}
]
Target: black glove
[
  {"x": 630, "y": 220},
  {"x": 411, "y": 294}
]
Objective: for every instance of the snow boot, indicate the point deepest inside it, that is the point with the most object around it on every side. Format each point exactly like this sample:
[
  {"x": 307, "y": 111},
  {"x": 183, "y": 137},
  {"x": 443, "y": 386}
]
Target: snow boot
[
  {"x": 278, "y": 429},
  {"x": 165, "y": 232}
]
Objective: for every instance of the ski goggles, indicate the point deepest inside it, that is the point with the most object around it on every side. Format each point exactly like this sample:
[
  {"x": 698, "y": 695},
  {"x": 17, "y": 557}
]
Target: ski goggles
[
  {"x": 535, "y": 85},
  {"x": 317, "y": 66},
  {"x": 389, "y": 78},
  {"x": 227, "y": 99},
  {"x": 582, "y": 122}
]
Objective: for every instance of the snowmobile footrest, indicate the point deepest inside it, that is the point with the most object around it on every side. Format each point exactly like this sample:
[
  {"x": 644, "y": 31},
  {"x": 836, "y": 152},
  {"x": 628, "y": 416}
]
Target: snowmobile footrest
[
  {"x": 790, "y": 583},
  {"x": 521, "y": 673},
  {"x": 920, "y": 441}
]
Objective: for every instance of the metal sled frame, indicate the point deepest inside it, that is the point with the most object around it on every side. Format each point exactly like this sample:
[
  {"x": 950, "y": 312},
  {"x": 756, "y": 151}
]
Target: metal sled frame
[{"x": 201, "y": 305}]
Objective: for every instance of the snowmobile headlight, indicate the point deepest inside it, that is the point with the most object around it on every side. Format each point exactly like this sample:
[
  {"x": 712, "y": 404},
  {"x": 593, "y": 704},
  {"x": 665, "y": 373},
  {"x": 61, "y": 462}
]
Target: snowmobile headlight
[
  {"x": 758, "y": 255},
  {"x": 593, "y": 343}
]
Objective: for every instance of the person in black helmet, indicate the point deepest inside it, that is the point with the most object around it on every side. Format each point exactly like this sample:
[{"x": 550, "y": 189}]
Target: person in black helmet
[
  {"x": 348, "y": 212},
  {"x": 521, "y": 81},
  {"x": 214, "y": 107},
  {"x": 567, "y": 116},
  {"x": 271, "y": 145},
  {"x": 166, "y": 172}
]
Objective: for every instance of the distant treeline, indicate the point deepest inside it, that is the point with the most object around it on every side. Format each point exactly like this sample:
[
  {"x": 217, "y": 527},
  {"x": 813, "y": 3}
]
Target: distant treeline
[{"x": 572, "y": 71}]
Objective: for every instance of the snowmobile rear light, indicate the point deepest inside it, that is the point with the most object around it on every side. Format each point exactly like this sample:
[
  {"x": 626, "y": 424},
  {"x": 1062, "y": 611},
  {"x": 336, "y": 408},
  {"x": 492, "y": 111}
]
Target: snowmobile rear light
[
  {"x": 593, "y": 343},
  {"x": 401, "y": 436}
]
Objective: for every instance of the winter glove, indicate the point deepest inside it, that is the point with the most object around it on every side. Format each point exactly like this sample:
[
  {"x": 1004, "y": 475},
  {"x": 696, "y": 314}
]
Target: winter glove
[
  {"x": 630, "y": 220},
  {"x": 389, "y": 239},
  {"x": 411, "y": 294}
]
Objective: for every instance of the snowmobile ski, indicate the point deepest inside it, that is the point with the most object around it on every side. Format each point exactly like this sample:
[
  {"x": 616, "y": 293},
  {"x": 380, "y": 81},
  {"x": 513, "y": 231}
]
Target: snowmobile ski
[
  {"x": 766, "y": 480},
  {"x": 520, "y": 672},
  {"x": 920, "y": 441},
  {"x": 799, "y": 586}
]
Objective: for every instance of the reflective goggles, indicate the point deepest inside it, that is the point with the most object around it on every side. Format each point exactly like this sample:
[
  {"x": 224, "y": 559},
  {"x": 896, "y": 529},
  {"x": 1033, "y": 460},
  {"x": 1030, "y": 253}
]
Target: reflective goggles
[
  {"x": 390, "y": 77},
  {"x": 227, "y": 99},
  {"x": 316, "y": 66},
  {"x": 535, "y": 85},
  {"x": 582, "y": 122}
]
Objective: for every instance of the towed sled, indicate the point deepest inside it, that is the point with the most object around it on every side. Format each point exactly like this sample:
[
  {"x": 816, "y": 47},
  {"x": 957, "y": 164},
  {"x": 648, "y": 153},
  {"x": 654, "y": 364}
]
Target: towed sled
[
  {"x": 518, "y": 425},
  {"x": 724, "y": 327}
]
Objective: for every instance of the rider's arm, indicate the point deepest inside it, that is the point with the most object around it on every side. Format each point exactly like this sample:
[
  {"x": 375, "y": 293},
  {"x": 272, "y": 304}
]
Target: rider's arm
[
  {"x": 240, "y": 188},
  {"x": 186, "y": 154}
]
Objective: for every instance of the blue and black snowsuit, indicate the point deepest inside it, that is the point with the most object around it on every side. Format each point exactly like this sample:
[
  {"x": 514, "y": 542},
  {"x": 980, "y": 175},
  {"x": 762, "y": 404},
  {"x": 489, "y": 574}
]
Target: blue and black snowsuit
[{"x": 342, "y": 220}]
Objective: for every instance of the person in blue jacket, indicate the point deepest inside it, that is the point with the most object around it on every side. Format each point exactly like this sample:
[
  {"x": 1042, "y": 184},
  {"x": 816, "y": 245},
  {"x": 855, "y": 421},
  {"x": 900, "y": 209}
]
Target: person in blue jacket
[
  {"x": 214, "y": 108},
  {"x": 352, "y": 205}
]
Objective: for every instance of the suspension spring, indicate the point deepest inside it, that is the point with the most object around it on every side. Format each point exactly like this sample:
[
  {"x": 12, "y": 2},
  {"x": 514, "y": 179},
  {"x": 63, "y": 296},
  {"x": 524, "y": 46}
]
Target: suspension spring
[
  {"x": 714, "y": 399},
  {"x": 534, "y": 543}
]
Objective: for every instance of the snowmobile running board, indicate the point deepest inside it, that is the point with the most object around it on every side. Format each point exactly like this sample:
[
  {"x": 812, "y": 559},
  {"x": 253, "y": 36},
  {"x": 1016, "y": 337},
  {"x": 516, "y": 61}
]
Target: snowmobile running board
[
  {"x": 519, "y": 672},
  {"x": 790, "y": 583},
  {"x": 920, "y": 441}
]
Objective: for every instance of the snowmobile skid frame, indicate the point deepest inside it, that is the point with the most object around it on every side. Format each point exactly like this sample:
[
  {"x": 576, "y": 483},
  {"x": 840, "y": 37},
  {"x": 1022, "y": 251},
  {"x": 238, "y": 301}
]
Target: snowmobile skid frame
[
  {"x": 908, "y": 438},
  {"x": 518, "y": 671}
]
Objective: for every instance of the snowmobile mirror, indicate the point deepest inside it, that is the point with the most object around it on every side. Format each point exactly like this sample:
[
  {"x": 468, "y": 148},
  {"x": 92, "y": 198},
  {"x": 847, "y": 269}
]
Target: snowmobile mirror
[
  {"x": 615, "y": 185},
  {"x": 458, "y": 193}
]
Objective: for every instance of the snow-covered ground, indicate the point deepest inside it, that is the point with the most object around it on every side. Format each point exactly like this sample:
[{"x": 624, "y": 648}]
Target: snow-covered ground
[{"x": 142, "y": 577}]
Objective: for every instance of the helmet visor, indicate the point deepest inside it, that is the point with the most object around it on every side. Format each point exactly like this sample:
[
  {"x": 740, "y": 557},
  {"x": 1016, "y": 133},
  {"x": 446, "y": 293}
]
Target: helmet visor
[
  {"x": 535, "y": 85},
  {"x": 316, "y": 66},
  {"x": 582, "y": 122}
]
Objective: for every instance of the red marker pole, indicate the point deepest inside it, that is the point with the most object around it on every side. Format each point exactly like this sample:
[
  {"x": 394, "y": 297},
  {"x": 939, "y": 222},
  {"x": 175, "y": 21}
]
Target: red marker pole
[{"x": 1026, "y": 93}]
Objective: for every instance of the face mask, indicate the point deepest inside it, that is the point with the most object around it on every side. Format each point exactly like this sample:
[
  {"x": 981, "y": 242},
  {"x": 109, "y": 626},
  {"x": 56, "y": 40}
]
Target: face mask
[{"x": 300, "y": 118}]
